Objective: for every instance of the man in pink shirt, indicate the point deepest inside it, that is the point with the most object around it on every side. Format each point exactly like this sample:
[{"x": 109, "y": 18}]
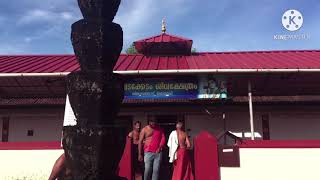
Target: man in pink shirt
[{"x": 152, "y": 136}]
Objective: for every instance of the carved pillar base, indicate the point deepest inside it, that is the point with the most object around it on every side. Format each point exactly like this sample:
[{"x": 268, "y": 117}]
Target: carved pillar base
[{"x": 92, "y": 152}]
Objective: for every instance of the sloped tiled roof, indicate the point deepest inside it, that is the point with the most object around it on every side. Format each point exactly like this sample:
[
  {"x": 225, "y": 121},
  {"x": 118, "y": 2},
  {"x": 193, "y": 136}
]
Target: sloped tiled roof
[{"x": 245, "y": 61}]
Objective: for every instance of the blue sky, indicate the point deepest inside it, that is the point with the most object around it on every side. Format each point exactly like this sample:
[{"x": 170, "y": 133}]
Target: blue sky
[{"x": 43, "y": 26}]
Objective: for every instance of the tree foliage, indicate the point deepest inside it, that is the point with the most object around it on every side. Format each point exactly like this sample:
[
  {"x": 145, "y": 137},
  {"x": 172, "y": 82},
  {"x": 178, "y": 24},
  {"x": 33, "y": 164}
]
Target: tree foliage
[{"x": 131, "y": 49}]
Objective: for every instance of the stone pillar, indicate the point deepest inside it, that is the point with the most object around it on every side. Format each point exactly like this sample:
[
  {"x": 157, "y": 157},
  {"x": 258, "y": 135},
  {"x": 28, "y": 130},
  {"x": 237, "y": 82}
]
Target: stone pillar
[{"x": 95, "y": 93}]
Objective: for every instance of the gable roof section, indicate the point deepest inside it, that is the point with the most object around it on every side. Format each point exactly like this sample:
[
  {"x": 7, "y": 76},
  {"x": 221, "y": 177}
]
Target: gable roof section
[{"x": 164, "y": 44}]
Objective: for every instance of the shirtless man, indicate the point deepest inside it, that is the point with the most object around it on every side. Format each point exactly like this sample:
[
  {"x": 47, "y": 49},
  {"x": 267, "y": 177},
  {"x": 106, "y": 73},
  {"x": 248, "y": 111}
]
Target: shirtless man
[
  {"x": 179, "y": 144},
  {"x": 184, "y": 141},
  {"x": 135, "y": 133},
  {"x": 60, "y": 170},
  {"x": 58, "y": 167},
  {"x": 137, "y": 165},
  {"x": 153, "y": 138}
]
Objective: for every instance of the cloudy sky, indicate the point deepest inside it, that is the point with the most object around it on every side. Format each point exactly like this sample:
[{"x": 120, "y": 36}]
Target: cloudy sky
[{"x": 43, "y": 26}]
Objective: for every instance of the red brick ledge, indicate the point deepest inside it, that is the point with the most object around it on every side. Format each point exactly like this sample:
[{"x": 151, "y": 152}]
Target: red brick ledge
[
  {"x": 280, "y": 144},
  {"x": 30, "y": 145}
]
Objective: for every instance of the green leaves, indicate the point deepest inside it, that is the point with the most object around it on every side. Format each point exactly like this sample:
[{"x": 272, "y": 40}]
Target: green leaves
[{"x": 131, "y": 49}]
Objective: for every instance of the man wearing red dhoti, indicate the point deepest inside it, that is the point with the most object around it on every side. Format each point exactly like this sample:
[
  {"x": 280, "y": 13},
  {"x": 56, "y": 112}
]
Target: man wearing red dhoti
[
  {"x": 129, "y": 166},
  {"x": 179, "y": 144}
]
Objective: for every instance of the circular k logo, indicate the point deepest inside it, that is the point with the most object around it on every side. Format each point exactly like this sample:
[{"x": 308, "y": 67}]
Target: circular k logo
[{"x": 292, "y": 20}]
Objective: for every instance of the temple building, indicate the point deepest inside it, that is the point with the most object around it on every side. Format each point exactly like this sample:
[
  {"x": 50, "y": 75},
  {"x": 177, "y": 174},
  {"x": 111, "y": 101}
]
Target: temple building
[
  {"x": 254, "y": 94},
  {"x": 263, "y": 97}
]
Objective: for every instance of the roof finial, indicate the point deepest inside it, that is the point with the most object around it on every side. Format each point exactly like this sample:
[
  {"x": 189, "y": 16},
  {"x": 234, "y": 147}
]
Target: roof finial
[{"x": 164, "y": 28}]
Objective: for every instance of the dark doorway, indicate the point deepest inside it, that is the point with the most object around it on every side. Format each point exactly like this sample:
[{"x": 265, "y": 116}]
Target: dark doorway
[
  {"x": 168, "y": 123},
  {"x": 5, "y": 129},
  {"x": 265, "y": 127}
]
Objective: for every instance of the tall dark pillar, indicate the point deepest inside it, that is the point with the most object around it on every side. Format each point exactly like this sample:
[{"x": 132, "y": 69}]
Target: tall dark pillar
[{"x": 91, "y": 147}]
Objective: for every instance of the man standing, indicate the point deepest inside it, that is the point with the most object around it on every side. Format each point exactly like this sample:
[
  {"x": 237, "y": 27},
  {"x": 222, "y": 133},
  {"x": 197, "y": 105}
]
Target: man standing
[
  {"x": 137, "y": 165},
  {"x": 153, "y": 138},
  {"x": 179, "y": 144}
]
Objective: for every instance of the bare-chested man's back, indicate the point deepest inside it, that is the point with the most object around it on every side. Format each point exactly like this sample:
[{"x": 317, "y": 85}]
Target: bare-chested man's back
[
  {"x": 184, "y": 141},
  {"x": 179, "y": 155}
]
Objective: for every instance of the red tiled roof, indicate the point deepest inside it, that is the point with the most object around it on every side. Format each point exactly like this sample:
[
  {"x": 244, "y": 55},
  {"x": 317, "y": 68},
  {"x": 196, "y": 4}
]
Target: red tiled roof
[
  {"x": 31, "y": 101},
  {"x": 164, "y": 37},
  {"x": 237, "y": 99},
  {"x": 38, "y": 64},
  {"x": 164, "y": 44},
  {"x": 224, "y": 60},
  {"x": 196, "y": 62}
]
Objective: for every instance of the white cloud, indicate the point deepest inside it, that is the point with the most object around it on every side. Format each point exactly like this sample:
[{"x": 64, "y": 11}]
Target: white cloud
[
  {"x": 67, "y": 16},
  {"x": 35, "y": 16},
  {"x": 135, "y": 17},
  {"x": 39, "y": 15},
  {"x": 27, "y": 39},
  {"x": 53, "y": 24}
]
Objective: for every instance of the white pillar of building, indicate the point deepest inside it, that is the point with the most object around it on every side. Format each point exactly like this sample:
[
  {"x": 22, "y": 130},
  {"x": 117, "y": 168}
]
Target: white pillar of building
[{"x": 250, "y": 110}]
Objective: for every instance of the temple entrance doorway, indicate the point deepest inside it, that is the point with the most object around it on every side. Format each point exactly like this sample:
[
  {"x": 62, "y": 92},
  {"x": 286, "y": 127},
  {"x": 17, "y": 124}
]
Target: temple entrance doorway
[{"x": 168, "y": 123}]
